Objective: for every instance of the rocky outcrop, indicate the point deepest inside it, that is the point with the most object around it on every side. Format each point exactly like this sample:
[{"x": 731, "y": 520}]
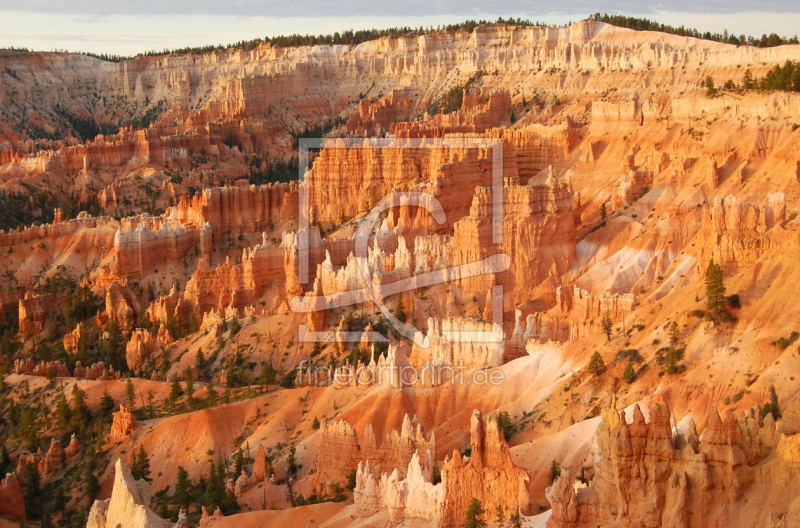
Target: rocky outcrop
[
  {"x": 250, "y": 209},
  {"x": 144, "y": 346},
  {"x": 577, "y": 313},
  {"x": 124, "y": 423},
  {"x": 236, "y": 285},
  {"x": 127, "y": 505},
  {"x": 647, "y": 475},
  {"x": 142, "y": 244},
  {"x": 340, "y": 450},
  {"x": 488, "y": 475},
  {"x": 538, "y": 236},
  {"x": 12, "y": 503},
  {"x": 457, "y": 345}
]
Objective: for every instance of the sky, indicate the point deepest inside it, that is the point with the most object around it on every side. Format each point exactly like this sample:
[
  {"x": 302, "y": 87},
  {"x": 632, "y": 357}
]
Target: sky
[{"x": 127, "y": 28}]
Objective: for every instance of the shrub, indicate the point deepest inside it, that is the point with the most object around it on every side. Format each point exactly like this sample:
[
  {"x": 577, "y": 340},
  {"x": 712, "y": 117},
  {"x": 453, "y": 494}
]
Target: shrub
[
  {"x": 631, "y": 354},
  {"x": 785, "y": 342},
  {"x": 629, "y": 375},
  {"x": 596, "y": 364}
]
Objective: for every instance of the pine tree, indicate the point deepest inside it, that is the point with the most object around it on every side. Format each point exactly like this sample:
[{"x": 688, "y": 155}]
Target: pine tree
[
  {"x": 31, "y": 492},
  {"x": 47, "y": 517},
  {"x": 603, "y": 214},
  {"x": 291, "y": 463},
  {"x": 474, "y": 515},
  {"x": 708, "y": 83},
  {"x": 214, "y": 489},
  {"x": 191, "y": 324},
  {"x": 63, "y": 411},
  {"x": 238, "y": 462},
  {"x": 748, "y": 83},
  {"x": 130, "y": 394},
  {"x": 555, "y": 471},
  {"x": 107, "y": 405},
  {"x": 175, "y": 391},
  {"x": 715, "y": 287},
  {"x": 515, "y": 521},
  {"x": 140, "y": 469},
  {"x": 629, "y": 375},
  {"x": 150, "y": 397},
  {"x": 60, "y": 500},
  {"x": 235, "y": 327},
  {"x": 211, "y": 395},
  {"x": 500, "y": 516},
  {"x": 114, "y": 345},
  {"x": 400, "y": 309},
  {"x": 200, "y": 362},
  {"x": 596, "y": 364},
  {"x": 436, "y": 473},
  {"x": 188, "y": 378},
  {"x": 181, "y": 495},
  {"x": 315, "y": 423},
  {"x": 674, "y": 335},
  {"x": 80, "y": 413},
  {"x": 5, "y": 460},
  {"x": 607, "y": 324},
  {"x": 90, "y": 484}
]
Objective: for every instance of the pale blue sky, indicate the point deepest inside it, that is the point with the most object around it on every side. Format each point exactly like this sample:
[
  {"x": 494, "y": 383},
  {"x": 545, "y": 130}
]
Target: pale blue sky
[{"x": 126, "y": 28}]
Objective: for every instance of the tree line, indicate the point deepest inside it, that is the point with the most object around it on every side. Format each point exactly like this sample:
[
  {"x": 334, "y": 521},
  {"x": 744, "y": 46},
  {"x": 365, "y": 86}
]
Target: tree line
[{"x": 644, "y": 24}]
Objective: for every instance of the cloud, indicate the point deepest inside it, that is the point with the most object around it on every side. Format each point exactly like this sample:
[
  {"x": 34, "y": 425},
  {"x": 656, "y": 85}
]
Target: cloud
[{"x": 327, "y": 8}]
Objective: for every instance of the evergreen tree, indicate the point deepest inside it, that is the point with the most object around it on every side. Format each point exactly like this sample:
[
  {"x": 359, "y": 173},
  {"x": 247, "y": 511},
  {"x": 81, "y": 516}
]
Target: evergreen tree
[
  {"x": 708, "y": 84},
  {"x": 715, "y": 287},
  {"x": 211, "y": 395},
  {"x": 150, "y": 397},
  {"x": 80, "y": 412},
  {"x": 30, "y": 494},
  {"x": 115, "y": 346},
  {"x": 400, "y": 309},
  {"x": 504, "y": 424},
  {"x": 608, "y": 325},
  {"x": 515, "y": 521},
  {"x": 436, "y": 473},
  {"x": 188, "y": 378},
  {"x": 474, "y": 516},
  {"x": 596, "y": 364},
  {"x": 140, "y": 469},
  {"x": 175, "y": 391},
  {"x": 63, "y": 411},
  {"x": 555, "y": 471},
  {"x": 47, "y": 517},
  {"x": 214, "y": 489},
  {"x": 90, "y": 484},
  {"x": 603, "y": 214},
  {"x": 191, "y": 324},
  {"x": 130, "y": 394},
  {"x": 291, "y": 463},
  {"x": 500, "y": 516},
  {"x": 629, "y": 375},
  {"x": 748, "y": 83},
  {"x": 5, "y": 460},
  {"x": 181, "y": 495},
  {"x": 200, "y": 362},
  {"x": 238, "y": 462},
  {"x": 674, "y": 335},
  {"x": 107, "y": 405},
  {"x": 59, "y": 500},
  {"x": 235, "y": 327},
  {"x": 315, "y": 424}
]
